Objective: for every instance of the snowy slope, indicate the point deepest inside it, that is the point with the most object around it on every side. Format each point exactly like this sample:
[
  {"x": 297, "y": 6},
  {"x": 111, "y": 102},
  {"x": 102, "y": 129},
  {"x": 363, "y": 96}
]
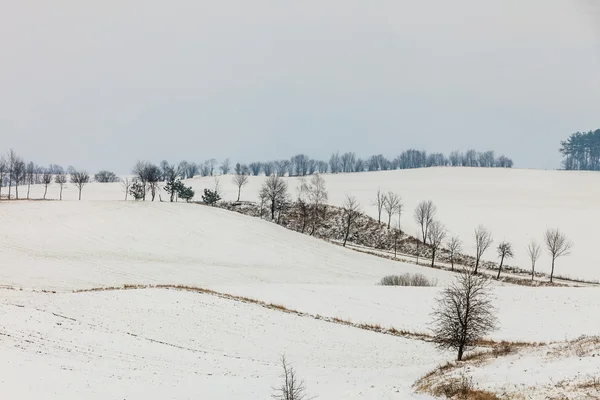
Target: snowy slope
[
  {"x": 515, "y": 204},
  {"x": 167, "y": 344},
  {"x": 75, "y": 245}
]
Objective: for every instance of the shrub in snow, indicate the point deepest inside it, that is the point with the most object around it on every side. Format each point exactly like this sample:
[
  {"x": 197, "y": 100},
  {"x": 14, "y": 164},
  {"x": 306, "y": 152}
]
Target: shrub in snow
[{"x": 407, "y": 280}]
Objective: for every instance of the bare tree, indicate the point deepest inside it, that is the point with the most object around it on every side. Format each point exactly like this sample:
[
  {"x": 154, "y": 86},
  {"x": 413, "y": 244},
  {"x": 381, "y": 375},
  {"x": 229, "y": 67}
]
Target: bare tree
[
  {"x": 436, "y": 235},
  {"x": 454, "y": 247},
  {"x": 46, "y": 180},
  {"x": 558, "y": 245},
  {"x": 275, "y": 191},
  {"x": 464, "y": 313},
  {"x": 399, "y": 211},
  {"x": 317, "y": 198},
  {"x": 80, "y": 179},
  {"x": 3, "y": 171},
  {"x": 11, "y": 161},
  {"x": 504, "y": 250},
  {"x": 292, "y": 387},
  {"x": 139, "y": 170},
  {"x": 30, "y": 176},
  {"x": 19, "y": 173},
  {"x": 483, "y": 240},
  {"x": 240, "y": 180},
  {"x": 60, "y": 178},
  {"x": 379, "y": 203},
  {"x": 126, "y": 185},
  {"x": 152, "y": 174},
  {"x": 424, "y": 215},
  {"x": 225, "y": 167},
  {"x": 391, "y": 204},
  {"x": 534, "y": 249},
  {"x": 351, "y": 213}
]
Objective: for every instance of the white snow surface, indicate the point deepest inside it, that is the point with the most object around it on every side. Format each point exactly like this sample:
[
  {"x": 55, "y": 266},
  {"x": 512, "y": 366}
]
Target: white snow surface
[
  {"x": 159, "y": 343},
  {"x": 516, "y": 204},
  {"x": 169, "y": 344}
]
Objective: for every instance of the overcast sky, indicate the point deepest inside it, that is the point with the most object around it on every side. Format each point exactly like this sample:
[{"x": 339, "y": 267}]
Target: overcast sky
[{"x": 101, "y": 84}]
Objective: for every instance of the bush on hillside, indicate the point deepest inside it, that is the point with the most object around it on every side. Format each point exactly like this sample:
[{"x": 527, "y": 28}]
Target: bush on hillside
[{"x": 407, "y": 280}]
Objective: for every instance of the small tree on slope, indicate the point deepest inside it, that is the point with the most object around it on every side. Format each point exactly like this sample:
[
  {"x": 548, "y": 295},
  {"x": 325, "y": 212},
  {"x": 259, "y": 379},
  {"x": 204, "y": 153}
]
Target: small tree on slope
[
  {"x": 558, "y": 245},
  {"x": 504, "y": 250},
  {"x": 534, "y": 250},
  {"x": 464, "y": 313}
]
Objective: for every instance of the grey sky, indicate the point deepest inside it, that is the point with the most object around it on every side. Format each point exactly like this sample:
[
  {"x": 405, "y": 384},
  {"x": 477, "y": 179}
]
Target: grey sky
[{"x": 101, "y": 84}]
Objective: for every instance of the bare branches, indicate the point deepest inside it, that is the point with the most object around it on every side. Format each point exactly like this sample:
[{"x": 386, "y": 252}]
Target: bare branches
[
  {"x": 464, "y": 313},
  {"x": 379, "y": 203},
  {"x": 391, "y": 203},
  {"x": 61, "y": 179},
  {"x": 275, "y": 191},
  {"x": 240, "y": 179},
  {"x": 126, "y": 185},
  {"x": 454, "y": 247},
  {"x": 46, "y": 180},
  {"x": 558, "y": 245},
  {"x": 483, "y": 240},
  {"x": 351, "y": 212},
  {"x": 436, "y": 235},
  {"x": 504, "y": 250},
  {"x": 292, "y": 387},
  {"x": 80, "y": 179},
  {"x": 424, "y": 215},
  {"x": 534, "y": 249}
]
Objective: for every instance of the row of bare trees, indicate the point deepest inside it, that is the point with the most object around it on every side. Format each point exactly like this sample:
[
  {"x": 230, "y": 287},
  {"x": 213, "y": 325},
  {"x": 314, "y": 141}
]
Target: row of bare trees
[
  {"x": 15, "y": 172},
  {"x": 433, "y": 234}
]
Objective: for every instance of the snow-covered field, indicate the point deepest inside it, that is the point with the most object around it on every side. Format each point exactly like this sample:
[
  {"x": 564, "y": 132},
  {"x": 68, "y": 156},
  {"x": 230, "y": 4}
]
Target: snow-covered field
[
  {"x": 516, "y": 204},
  {"x": 165, "y": 343}
]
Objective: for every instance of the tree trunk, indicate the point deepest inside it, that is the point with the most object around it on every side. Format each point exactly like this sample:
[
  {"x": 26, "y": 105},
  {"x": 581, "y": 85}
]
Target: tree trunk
[
  {"x": 500, "y": 268},
  {"x": 28, "y": 187},
  {"x": 395, "y": 247},
  {"x": 16, "y": 190},
  {"x": 347, "y": 232},
  {"x": 61, "y": 192},
  {"x": 390, "y": 221},
  {"x": 239, "y": 191},
  {"x": 460, "y": 352},
  {"x": 79, "y": 193},
  {"x": 552, "y": 272},
  {"x": 9, "y": 184},
  {"x": 476, "y": 265},
  {"x": 532, "y": 269},
  {"x": 45, "y": 191},
  {"x": 433, "y": 258},
  {"x": 272, "y": 210},
  {"x": 452, "y": 262},
  {"x": 379, "y": 218}
]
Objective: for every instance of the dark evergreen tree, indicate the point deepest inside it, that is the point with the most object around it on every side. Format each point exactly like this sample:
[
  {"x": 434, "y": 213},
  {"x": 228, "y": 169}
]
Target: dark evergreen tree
[{"x": 210, "y": 197}]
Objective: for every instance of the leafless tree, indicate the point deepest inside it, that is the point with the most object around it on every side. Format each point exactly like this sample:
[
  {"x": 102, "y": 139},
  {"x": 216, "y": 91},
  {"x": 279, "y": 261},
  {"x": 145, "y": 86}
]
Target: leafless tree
[
  {"x": 240, "y": 180},
  {"x": 60, "y": 178},
  {"x": 268, "y": 168},
  {"x": 464, "y": 313},
  {"x": 399, "y": 211},
  {"x": 30, "y": 176},
  {"x": 126, "y": 185},
  {"x": 80, "y": 179},
  {"x": 19, "y": 174},
  {"x": 483, "y": 240},
  {"x": 534, "y": 249},
  {"x": 558, "y": 245},
  {"x": 504, "y": 250},
  {"x": 424, "y": 215},
  {"x": 139, "y": 171},
  {"x": 454, "y": 247},
  {"x": 379, "y": 203},
  {"x": 3, "y": 172},
  {"x": 275, "y": 191},
  {"x": 391, "y": 204},
  {"x": 46, "y": 180},
  {"x": 317, "y": 198},
  {"x": 153, "y": 175},
  {"x": 292, "y": 387},
  {"x": 436, "y": 235},
  {"x": 11, "y": 161},
  {"x": 351, "y": 213},
  {"x": 225, "y": 166}
]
